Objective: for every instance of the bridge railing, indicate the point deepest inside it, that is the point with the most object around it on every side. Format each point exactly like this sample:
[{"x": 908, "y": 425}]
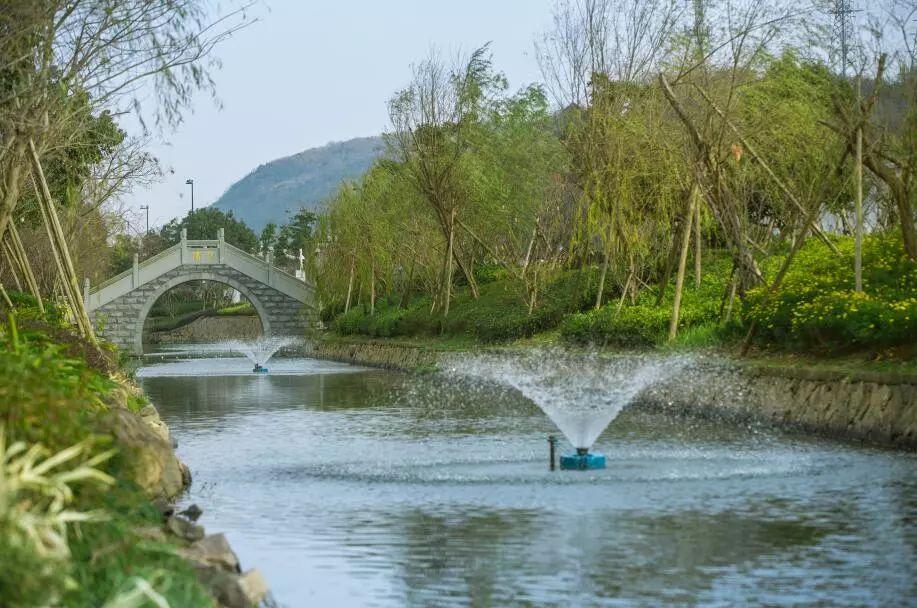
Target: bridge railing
[{"x": 196, "y": 252}]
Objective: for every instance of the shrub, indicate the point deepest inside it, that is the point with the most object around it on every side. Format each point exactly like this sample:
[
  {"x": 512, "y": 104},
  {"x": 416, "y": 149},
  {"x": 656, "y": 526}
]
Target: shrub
[
  {"x": 26, "y": 307},
  {"x": 817, "y": 305},
  {"x": 632, "y": 326},
  {"x": 644, "y": 324}
]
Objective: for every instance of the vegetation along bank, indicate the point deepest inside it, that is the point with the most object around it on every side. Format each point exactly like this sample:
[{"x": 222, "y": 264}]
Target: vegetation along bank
[{"x": 87, "y": 473}]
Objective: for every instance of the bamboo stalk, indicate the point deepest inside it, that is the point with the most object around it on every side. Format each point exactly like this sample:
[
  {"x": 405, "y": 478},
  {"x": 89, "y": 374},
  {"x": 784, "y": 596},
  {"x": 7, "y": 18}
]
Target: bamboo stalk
[
  {"x": 10, "y": 255},
  {"x": 25, "y": 265},
  {"x": 605, "y": 262},
  {"x": 6, "y": 297},
  {"x": 858, "y": 239},
  {"x": 528, "y": 252},
  {"x": 59, "y": 244}
]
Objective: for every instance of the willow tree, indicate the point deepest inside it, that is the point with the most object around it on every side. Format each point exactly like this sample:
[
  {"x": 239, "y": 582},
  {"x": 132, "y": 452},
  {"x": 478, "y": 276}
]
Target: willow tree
[
  {"x": 372, "y": 239},
  {"x": 431, "y": 124},
  {"x": 598, "y": 60},
  {"x": 514, "y": 165}
]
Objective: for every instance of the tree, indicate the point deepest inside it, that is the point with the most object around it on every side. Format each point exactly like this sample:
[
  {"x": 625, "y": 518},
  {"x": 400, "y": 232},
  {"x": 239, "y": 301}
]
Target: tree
[
  {"x": 295, "y": 236},
  {"x": 57, "y": 55},
  {"x": 205, "y": 223},
  {"x": 431, "y": 120},
  {"x": 268, "y": 237}
]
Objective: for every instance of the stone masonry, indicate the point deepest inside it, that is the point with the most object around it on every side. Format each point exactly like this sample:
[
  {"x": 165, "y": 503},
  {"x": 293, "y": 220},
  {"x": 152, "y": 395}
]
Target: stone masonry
[{"x": 121, "y": 320}]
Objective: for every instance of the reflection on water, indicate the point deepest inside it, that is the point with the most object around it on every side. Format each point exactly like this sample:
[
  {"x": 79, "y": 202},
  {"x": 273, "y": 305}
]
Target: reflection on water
[{"x": 351, "y": 487}]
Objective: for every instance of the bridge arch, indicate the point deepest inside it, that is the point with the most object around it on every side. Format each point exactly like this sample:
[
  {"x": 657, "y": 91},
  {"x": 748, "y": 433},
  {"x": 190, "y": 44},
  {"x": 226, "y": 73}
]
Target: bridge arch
[
  {"x": 137, "y": 346},
  {"x": 119, "y": 306}
]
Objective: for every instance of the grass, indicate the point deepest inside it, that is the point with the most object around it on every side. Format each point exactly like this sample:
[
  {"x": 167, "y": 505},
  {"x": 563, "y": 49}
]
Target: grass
[
  {"x": 240, "y": 309},
  {"x": 165, "y": 323}
]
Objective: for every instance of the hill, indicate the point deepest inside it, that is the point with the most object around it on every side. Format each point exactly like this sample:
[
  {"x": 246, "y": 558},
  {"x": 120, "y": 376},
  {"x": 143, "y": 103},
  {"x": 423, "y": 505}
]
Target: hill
[{"x": 302, "y": 180}]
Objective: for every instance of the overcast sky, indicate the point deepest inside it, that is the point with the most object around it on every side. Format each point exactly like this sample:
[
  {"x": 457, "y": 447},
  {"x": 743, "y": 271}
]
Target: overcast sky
[{"x": 310, "y": 72}]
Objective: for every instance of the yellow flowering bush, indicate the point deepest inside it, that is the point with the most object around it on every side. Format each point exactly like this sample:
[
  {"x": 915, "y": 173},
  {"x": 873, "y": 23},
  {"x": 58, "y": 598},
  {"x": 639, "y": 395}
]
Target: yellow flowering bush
[{"x": 818, "y": 305}]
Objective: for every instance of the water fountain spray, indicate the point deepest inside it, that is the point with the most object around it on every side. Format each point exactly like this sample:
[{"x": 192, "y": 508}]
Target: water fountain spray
[
  {"x": 580, "y": 393},
  {"x": 260, "y": 351}
]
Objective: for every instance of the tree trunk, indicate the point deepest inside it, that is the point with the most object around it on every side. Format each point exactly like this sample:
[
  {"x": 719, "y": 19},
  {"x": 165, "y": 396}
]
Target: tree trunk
[
  {"x": 6, "y": 297},
  {"x": 630, "y": 277},
  {"x": 466, "y": 271},
  {"x": 605, "y": 262},
  {"x": 11, "y": 181},
  {"x": 447, "y": 286},
  {"x": 372, "y": 291},
  {"x": 682, "y": 262},
  {"x": 858, "y": 239},
  {"x": 697, "y": 247},
  {"x": 353, "y": 264},
  {"x": 732, "y": 298},
  {"x": 667, "y": 272},
  {"x": 407, "y": 287},
  {"x": 534, "y": 292},
  {"x": 11, "y": 257},
  {"x": 528, "y": 251}
]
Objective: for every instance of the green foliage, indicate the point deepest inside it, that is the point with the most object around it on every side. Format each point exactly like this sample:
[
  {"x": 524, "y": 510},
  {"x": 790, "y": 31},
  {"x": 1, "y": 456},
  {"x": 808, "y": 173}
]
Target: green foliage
[
  {"x": 240, "y": 309},
  {"x": 817, "y": 306},
  {"x": 27, "y": 308},
  {"x": 205, "y": 223},
  {"x": 53, "y": 394},
  {"x": 111, "y": 553},
  {"x": 499, "y": 314},
  {"x": 36, "y": 496},
  {"x": 290, "y": 238},
  {"x": 644, "y": 324},
  {"x": 46, "y": 396}
]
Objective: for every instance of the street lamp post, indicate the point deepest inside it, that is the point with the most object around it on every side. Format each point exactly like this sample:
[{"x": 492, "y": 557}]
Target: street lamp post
[
  {"x": 147, "y": 209},
  {"x": 190, "y": 182}
]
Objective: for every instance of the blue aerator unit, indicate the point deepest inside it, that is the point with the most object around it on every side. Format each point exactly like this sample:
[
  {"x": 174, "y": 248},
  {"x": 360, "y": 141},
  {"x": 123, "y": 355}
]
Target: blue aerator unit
[
  {"x": 583, "y": 460},
  {"x": 259, "y": 369}
]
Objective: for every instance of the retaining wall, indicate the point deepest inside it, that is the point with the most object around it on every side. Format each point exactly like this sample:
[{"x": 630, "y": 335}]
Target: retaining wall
[{"x": 876, "y": 407}]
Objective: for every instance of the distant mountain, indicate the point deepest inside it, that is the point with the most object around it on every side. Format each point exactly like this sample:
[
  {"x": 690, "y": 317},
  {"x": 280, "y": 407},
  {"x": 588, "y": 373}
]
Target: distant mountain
[{"x": 284, "y": 185}]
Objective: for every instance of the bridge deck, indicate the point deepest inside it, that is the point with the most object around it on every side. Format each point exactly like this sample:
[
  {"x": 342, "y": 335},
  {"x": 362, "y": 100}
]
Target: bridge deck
[{"x": 197, "y": 253}]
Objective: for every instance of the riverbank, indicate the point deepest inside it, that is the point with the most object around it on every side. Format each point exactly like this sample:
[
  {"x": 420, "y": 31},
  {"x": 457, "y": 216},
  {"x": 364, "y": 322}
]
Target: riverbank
[
  {"x": 877, "y": 405},
  {"x": 215, "y": 328},
  {"x": 89, "y": 472}
]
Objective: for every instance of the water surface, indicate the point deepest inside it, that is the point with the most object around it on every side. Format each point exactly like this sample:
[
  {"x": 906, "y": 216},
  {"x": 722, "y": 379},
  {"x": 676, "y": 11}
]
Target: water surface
[{"x": 354, "y": 487}]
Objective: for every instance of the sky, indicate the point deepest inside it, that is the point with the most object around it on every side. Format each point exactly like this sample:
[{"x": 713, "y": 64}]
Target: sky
[{"x": 310, "y": 72}]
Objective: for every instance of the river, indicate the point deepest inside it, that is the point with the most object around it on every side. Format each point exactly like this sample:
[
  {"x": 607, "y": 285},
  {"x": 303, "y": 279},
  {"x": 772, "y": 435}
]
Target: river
[{"x": 349, "y": 486}]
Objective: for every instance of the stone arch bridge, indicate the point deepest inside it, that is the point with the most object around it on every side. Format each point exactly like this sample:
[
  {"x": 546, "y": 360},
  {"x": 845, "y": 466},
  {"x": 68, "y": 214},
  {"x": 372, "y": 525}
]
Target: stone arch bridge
[{"x": 120, "y": 305}]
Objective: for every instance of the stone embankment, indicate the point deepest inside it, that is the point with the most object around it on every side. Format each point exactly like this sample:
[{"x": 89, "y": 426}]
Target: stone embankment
[
  {"x": 210, "y": 329},
  {"x": 876, "y": 407},
  {"x": 155, "y": 467}
]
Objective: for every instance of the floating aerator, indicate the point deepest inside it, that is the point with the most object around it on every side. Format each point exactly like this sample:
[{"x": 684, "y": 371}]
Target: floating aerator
[
  {"x": 583, "y": 460},
  {"x": 259, "y": 369}
]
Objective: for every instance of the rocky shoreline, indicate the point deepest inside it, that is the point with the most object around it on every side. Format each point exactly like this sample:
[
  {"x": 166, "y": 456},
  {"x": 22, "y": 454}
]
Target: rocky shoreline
[
  {"x": 873, "y": 407},
  {"x": 163, "y": 477}
]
